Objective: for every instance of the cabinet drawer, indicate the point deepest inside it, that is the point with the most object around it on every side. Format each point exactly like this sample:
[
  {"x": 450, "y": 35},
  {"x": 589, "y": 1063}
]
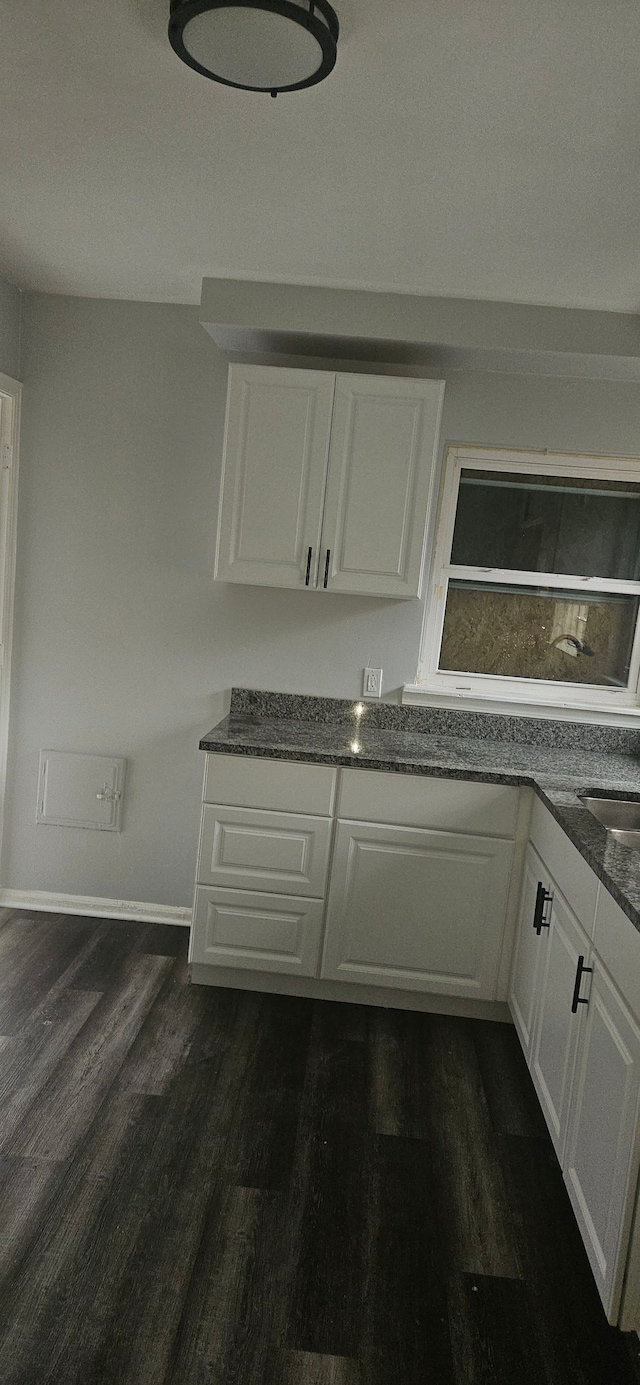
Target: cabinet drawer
[
  {"x": 262, "y": 932},
  {"x": 276, "y": 784},
  {"x": 572, "y": 875},
  {"x": 244, "y": 848},
  {"x": 420, "y": 801}
]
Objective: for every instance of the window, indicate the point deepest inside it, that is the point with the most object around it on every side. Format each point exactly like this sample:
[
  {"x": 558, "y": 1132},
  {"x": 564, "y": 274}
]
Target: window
[{"x": 536, "y": 584}]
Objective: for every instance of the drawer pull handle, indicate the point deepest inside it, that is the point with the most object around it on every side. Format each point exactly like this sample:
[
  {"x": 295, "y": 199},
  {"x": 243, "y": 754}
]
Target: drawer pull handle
[
  {"x": 306, "y": 580},
  {"x": 577, "y": 998},
  {"x": 543, "y": 897},
  {"x": 326, "y": 568}
]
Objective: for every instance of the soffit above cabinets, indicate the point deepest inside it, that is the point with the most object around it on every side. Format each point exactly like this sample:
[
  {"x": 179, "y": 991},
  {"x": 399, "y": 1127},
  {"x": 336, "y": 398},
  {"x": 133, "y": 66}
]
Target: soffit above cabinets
[{"x": 404, "y": 330}]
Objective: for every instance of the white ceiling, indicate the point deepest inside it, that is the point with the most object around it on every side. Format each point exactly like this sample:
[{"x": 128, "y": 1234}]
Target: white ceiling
[{"x": 474, "y": 148}]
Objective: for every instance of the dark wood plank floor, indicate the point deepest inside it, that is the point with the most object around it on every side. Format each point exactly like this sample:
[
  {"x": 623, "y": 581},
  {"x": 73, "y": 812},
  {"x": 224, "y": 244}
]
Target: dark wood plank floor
[{"x": 202, "y": 1185}]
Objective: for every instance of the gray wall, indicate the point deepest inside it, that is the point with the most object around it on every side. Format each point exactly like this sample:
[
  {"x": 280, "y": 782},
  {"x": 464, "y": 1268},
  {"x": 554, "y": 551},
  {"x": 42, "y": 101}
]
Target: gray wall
[
  {"x": 10, "y": 298},
  {"x": 123, "y": 644}
]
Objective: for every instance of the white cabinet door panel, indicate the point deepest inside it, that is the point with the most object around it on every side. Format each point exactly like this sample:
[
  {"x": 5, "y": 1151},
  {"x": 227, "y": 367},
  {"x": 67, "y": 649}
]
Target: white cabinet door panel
[
  {"x": 573, "y": 877},
  {"x": 529, "y": 947},
  {"x": 617, "y": 944},
  {"x": 415, "y": 909},
  {"x": 246, "y": 848},
  {"x": 262, "y": 932},
  {"x": 557, "y": 1028},
  {"x": 601, "y": 1164},
  {"x": 384, "y": 437},
  {"x": 275, "y": 460}
]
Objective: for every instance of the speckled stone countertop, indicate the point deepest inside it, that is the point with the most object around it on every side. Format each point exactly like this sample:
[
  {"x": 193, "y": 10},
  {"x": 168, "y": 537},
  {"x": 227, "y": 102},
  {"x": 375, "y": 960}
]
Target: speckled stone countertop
[{"x": 559, "y": 761}]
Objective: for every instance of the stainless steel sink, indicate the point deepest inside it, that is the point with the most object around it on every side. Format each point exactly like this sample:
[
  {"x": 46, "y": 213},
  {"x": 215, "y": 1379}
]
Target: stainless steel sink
[
  {"x": 625, "y": 837},
  {"x": 620, "y": 816},
  {"x": 616, "y": 814}
]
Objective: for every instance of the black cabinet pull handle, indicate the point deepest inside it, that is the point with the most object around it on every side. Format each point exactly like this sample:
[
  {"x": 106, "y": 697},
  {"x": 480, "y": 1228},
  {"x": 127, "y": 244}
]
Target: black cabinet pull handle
[
  {"x": 542, "y": 898},
  {"x": 577, "y": 998},
  {"x": 326, "y": 568},
  {"x": 306, "y": 580}
]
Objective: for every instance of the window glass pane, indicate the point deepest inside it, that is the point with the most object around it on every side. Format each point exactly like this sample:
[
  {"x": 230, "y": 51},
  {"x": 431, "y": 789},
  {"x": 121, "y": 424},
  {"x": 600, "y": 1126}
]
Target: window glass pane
[
  {"x": 548, "y": 524},
  {"x": 538, "y": 632}
]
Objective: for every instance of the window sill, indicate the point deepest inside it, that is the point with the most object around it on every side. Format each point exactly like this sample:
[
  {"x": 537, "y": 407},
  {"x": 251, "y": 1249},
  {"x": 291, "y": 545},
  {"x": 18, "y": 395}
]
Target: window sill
[{"x": 416, "y": 695}]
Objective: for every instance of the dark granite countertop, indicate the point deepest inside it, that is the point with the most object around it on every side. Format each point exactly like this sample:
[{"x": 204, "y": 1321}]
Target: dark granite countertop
[{"x": 557, "y": 772}]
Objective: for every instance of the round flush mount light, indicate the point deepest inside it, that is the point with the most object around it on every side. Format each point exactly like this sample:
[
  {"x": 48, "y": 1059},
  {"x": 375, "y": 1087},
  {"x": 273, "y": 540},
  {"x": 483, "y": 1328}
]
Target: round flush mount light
[{"x": 258, "y": 45}]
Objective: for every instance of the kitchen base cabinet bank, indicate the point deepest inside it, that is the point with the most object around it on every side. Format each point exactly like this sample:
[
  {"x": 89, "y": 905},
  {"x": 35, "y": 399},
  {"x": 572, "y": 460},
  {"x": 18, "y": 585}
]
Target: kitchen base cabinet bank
[
  {"x": 575, "y": 1000},
  {"x": 354, "y": 884}
]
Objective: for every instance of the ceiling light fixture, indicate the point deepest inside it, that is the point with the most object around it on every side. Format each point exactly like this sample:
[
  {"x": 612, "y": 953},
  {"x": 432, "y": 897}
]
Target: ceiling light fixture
[{"x": 258, "y": 45}]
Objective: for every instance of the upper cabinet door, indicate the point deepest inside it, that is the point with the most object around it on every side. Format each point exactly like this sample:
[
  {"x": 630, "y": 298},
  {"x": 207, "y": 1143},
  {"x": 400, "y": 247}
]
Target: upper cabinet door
[
  {"x": 275, "y": 462},
  {"x": 384, "y": 437}
]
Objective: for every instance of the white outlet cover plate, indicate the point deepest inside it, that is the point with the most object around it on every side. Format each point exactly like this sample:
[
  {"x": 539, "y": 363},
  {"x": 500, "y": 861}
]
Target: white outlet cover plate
[{"x": 372, "y": 682}]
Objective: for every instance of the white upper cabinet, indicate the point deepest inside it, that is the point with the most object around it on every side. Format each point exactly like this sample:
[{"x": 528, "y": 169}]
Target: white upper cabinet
[
  {"x": 275, "y": 462},
  {"x": 327, "y": 480},
  {"x": 381, "y": 465}
]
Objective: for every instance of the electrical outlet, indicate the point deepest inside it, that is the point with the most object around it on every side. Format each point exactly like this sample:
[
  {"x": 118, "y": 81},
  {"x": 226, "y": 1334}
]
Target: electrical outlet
[{"x": 372, "y": 682}]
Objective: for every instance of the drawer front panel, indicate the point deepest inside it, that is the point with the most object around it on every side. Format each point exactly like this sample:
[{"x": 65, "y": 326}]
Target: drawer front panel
[
  {"x": 262, "y": 932},
  {"x": 448, "y": 805},
  {"x": 272, "y": 784},
  {"x": 244, "y": 848},
  {"x": 575, "y": 878}
]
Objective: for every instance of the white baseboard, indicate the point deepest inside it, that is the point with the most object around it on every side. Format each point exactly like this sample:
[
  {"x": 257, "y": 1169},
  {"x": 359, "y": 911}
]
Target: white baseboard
[{"x": 47, "y": 902}]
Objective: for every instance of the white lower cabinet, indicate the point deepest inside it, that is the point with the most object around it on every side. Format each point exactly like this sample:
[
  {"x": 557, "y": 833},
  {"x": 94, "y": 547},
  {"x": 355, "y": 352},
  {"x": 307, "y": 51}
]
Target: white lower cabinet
[
  {"x": 423, "y": 910},
  {"x": 529, "y": 946},
  {"x": 413, "y": 899},
  {"x": 327, "y": 480},
  {"x": 260, "y": 932},
  {"x": 558, "y": 1023},
  {"x": 582, "y": 1044},
  {"x": 405, "y": 886},
  {"x": 602, "y": 1154}
]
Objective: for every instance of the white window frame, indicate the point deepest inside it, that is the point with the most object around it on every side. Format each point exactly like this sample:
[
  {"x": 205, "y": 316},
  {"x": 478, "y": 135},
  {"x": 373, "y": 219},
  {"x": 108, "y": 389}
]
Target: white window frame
[
  {"x": 10, "y": 405},
  {"x": 443, "y": 688}
]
